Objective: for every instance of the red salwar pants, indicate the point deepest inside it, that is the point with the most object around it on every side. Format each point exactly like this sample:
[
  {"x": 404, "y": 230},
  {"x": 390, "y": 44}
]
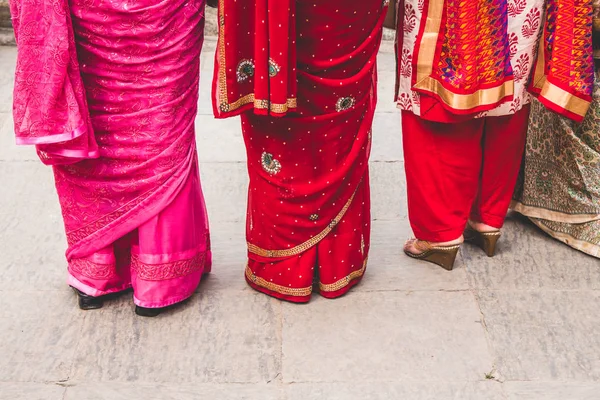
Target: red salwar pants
[{"x": 461, "y": 170}]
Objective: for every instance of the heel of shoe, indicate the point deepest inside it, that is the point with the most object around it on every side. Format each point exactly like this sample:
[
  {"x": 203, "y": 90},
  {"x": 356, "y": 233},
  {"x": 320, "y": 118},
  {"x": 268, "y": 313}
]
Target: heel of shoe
[
  {"x": 87, "y": 302},
  {"x": 441, "y": 256},
  {"x": 147, "y": 312},
  {"x": 444, "y": 257},
  {"x": 488, "y": 243}
]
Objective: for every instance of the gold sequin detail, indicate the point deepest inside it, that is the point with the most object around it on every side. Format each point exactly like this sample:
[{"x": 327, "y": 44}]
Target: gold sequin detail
[
  {"x": 245, "y": 70},
  {"x": 345, "y": 103},
  {"x": 274, "y": 68},
  {"x": 314, "y": 217},
  {"x": 342, "y": 283},
  {"x": 270, "y": 164},
  {"x": 301, "y": 248},
  {"x": 299, "y": 292}
]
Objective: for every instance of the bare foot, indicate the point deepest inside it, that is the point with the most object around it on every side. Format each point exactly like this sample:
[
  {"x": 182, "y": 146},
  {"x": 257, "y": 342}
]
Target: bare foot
[
  {"x": 416, "y": 246},
  {"x": 481, "y": 227}
]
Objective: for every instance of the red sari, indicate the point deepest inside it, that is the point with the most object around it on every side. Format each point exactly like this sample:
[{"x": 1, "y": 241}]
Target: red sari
[{"x": 303, "y": 78}]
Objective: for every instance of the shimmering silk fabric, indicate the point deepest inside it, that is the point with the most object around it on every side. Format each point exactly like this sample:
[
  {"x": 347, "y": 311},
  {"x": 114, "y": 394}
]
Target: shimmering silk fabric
[
  {"x": 49, "y": 107},
  {"x": 308, "y": 204},
  {"x": 135, "y": 216}
]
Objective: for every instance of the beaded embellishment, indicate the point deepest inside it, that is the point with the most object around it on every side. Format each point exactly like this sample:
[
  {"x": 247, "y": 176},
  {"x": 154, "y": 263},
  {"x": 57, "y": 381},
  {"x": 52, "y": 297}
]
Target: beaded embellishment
[
  {"x": 269, "y": 164},
  {"x": 274, "y": 68},
  {"x": 345, "y": 103},
  {"x": 245, "y": 70}
]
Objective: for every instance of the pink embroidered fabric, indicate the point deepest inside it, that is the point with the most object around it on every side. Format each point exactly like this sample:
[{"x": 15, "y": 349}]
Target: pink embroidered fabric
[
  {"x": 50, "y": 109},
  {"x": 134, "y": 212}
]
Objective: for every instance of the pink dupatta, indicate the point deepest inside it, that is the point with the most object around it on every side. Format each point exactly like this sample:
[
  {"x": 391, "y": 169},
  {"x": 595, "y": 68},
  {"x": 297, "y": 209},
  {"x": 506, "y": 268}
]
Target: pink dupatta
[{"x": 49, "y": 107}]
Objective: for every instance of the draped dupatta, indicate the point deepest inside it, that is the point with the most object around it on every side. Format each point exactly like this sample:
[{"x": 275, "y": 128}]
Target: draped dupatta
[
  {"x": 255, "y": 64},
  {"x": 463, "y": 63},
  {"x": 564, "y": 74},
  {"x": 50, "y": 108}
]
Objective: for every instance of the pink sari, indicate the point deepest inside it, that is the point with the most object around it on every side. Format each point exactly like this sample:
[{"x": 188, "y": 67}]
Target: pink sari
[{"x": 128, "y": 180}]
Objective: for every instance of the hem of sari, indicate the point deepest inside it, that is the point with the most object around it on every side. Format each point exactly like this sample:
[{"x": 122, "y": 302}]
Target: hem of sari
[
  {"x": 577, "y": 244},
  {"x": 169, "y": 302},
  {"x": 90, "y": 291},
  {"x": 303, "y": 295},
  {"x": 50, "y": 139},
  {"x": 551, "y": 215}
]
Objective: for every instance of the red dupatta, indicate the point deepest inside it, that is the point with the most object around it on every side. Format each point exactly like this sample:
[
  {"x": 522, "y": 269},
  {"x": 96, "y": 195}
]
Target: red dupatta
[
  {"x": 50, "y": 108},
  {"x": 256, "y": 42},
  {"x": 564, "y": 74}
]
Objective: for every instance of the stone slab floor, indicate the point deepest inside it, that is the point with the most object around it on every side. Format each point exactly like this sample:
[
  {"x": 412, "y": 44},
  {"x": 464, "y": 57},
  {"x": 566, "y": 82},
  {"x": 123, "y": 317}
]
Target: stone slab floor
[{"x": 524, "y": 325}]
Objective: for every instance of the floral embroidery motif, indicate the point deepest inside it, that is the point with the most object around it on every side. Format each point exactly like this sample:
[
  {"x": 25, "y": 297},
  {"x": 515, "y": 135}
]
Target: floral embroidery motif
[
  {"x": 274, "y": 68},
  {"x": 245, "y": 70},
  {"x": 314, "y": 217},
  {"x": 270, "y": 164},
  {"x": 91, "y": 269},
  {"x": 161, "y": 272},
  {"x": 345, "y": 103}
]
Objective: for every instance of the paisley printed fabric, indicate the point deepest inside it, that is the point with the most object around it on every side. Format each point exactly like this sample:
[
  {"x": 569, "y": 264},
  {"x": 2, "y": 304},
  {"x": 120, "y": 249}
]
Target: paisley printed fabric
[{"x": 559, "y": 187}]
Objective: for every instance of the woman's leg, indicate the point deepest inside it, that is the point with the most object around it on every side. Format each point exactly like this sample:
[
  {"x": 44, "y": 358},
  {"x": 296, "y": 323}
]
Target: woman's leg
[
  {"x": 503, "y": 145},
  {"x": 172, "y": 250},
  {"x": 442, "y": 163}
]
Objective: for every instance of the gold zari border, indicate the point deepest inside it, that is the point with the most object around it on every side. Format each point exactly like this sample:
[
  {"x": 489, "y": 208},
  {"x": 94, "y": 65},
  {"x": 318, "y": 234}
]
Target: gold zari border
[
  {"x": 299, "y": 292},
  {"x": 553, "y": 93},
  {"x": 301, "y": 248},
  {"x": 342, "y": 283},
  {"x": 305, "y": 291},
  {"x": 223, "y": 99}
]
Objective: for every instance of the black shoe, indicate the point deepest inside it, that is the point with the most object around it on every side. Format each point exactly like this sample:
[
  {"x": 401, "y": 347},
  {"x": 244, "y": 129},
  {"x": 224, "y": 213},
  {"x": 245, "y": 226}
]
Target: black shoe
[
  {"x": 87, "y": 302},
  {"x": 147, "y": 312}
]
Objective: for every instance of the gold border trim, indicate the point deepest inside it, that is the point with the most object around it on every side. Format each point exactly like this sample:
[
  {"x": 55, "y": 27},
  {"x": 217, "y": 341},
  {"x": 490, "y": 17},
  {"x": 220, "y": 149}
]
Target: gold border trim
[
  {"x": 429, "y": 40},
  {"x": 581, "y": 245},
  {"x": 553, "y": 93},
  {"x": 299, "y": 292},
  {"x": 562, "y": 98},
  {"x": 482, "y": 97},
  {"x": 557, "y": 216},
  {"x": 301, "y": 248},
  {"x": 342, "y": 283},
  {"x": 223, "y": 98}
]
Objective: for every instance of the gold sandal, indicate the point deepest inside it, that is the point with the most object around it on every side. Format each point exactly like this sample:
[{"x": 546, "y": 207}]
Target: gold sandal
[
  {"x": 444, "y": 256},
  {"x": 486, "y": 241}
]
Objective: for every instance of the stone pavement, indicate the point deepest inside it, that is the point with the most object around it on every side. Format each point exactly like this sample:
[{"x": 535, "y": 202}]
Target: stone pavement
[{"x": 524, "y": 325}]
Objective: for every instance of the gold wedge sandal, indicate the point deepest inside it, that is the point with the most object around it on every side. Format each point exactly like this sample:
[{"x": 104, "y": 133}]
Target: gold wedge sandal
[
  {"x": 486, "y": 241},
  {"x": 444, "y": 256}
]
